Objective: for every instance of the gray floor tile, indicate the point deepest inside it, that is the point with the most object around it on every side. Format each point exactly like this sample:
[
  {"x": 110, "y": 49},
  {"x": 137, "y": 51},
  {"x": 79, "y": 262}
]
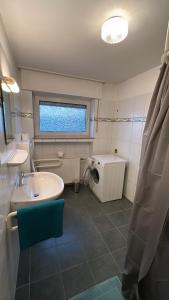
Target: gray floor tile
[
  {"x": 94, "y": 246},
  {"x": 119, "y": 218},
  {"x": 104, "y": 267},
  {"x": 93, "y": 210},
  {"x": 44, "y": 264},
  {"x": 68, "y": 236},
  {"x": 77, "y": 223},
  {"x": 128, "y": 213},
  {"x": 88, "y": 198},
  {"x": 102, "y": 223},
  {"x": 48, "y": 289},
  {"x": 111, "y": 206},
  {"x": 24, "y": 268},
  {"x": 43, "y": 245},
  {"x": 70, "y": 255},
  {"x": 75, "y": 234},
  {"x": 22, "y": 293},
  {"x": 125, "y": 203},
  {"x": 119, "y": 257},
  {"x": 86, "y": 192},
  {"x": 91, "y": 234},
  {"x": 84, "y": 223},
  {"x": 71, "y": 216},
  {"x": 114, "y": 239},
  {"x": 77, "y": 280},
  {"x": 80, "y": 210}
]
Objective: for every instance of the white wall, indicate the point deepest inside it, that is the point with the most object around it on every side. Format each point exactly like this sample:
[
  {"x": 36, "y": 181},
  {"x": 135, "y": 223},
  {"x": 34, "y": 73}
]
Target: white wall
[
  {"x": 139, "y": 85},
  {"x": 9, "y": 250},
  {"x": 53, "y": 83},
  {"x": 133, "y": 98}
]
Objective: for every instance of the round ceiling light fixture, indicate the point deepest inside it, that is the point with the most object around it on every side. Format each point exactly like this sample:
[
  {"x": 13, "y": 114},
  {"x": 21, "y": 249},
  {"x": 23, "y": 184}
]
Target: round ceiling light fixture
[{"x": 114, "y": 30}]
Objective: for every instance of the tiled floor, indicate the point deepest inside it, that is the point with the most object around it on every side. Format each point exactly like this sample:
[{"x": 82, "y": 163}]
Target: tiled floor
[{"x": 91, "y": 249}]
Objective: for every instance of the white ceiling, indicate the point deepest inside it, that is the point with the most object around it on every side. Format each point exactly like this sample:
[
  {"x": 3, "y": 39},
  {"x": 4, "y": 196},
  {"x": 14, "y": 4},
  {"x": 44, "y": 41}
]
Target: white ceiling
[{"x": 64, "y": 36}]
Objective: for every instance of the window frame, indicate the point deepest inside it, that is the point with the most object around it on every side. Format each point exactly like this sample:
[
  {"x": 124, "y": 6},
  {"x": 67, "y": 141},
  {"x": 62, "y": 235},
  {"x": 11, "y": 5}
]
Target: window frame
[{"x": 68, "y": 135}]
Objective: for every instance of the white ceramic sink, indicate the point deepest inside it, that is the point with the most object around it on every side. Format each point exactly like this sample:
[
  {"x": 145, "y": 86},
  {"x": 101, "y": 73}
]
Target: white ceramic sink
[{"x": 40, "y": 186}]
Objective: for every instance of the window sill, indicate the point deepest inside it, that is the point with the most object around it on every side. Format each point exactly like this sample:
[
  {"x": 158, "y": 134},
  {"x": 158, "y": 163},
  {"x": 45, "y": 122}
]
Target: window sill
[{"x": 73, "y": 140}]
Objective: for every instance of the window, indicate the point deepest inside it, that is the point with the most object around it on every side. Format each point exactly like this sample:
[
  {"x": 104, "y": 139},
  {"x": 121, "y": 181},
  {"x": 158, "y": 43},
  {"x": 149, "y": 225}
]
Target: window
[{"x": 61, "y": 118}]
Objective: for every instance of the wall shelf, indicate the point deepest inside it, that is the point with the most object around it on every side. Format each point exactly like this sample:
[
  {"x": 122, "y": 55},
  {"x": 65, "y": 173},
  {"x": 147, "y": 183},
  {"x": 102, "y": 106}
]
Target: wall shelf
[{"x": 18, "y": 158}]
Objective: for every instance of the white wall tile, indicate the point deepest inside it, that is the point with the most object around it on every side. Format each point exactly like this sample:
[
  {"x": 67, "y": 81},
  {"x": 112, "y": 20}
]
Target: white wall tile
[
  {"x": 127, "y": 137},
  {"x": 124, "y": 108},
  {"x": 136, "y": 134},
  {"x": 26, "y": 101},
  {"x": 27, "y": 126},
  {"x": 129, "y": 190},
  {"x": 139, "y": 106}
]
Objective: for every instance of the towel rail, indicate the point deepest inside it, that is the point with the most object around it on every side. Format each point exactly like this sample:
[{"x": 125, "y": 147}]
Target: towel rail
[
  {"x": 47, "y": 166},
  {"x": 47, "y": 163},
  {"x": 9, "y": 221},
  {"x": 46, "y": 159}
]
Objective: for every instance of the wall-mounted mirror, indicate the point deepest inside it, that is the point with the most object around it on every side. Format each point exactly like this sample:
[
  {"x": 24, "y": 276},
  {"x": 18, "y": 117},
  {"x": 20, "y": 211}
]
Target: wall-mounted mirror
[{"x": 7, "y": 99}]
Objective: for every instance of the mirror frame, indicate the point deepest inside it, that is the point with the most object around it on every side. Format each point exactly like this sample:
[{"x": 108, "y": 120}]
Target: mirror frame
[{"x": 3, "y": 116}]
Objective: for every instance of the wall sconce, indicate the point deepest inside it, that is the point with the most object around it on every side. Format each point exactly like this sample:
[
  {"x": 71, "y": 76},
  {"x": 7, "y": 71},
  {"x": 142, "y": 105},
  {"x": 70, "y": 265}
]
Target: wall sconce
[{"x": 9, "y": 85}]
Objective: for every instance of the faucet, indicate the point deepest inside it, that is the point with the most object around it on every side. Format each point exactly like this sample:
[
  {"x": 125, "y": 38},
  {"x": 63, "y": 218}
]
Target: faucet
[{"x": 23, "y": 175}]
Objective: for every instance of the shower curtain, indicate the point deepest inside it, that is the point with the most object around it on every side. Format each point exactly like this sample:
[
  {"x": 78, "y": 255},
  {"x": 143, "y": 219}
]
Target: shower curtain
[{"x": 146, "y": 272}]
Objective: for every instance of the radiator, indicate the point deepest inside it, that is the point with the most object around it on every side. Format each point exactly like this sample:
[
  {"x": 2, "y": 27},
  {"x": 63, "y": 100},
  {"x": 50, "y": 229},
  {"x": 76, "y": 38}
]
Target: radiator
[{"x": 67, "y": 168}]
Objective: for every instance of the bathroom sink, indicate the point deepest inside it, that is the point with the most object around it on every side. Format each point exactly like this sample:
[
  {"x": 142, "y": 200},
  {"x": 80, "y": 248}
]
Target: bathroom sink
[{"x": 40, "y": 186}]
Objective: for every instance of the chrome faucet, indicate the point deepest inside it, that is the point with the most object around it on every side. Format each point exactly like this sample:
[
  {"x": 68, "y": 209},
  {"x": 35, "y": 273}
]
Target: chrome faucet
[{"x": 23, "y": 175}]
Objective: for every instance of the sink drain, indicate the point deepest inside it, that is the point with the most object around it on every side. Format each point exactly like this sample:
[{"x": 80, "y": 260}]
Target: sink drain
[{"x": 35, "y": 195}]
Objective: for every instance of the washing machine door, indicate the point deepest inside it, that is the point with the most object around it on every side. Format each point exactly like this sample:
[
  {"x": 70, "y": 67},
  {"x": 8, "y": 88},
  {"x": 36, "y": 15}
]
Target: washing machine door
[{"x": 95, "y": 175}]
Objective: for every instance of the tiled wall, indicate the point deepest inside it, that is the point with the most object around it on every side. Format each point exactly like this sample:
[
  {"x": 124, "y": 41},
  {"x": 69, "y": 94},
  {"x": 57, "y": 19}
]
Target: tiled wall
[
  {"x": 103, "y": 136},
  {"x": 70, "y": 150},
  {"x": 9, "y": 250},
  {"x": 26, "y": 110},
  {"x": 130, "y": 115},
  {"x": 130, "y": 110}
]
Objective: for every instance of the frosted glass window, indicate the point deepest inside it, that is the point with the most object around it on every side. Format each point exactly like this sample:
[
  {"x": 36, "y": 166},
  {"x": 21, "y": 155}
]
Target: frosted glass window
[{"x": 62, "y": 117}]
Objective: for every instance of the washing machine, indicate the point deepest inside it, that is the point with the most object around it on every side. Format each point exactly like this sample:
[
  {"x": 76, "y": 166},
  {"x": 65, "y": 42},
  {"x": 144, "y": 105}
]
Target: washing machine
[{"x": 107, "y": 177}]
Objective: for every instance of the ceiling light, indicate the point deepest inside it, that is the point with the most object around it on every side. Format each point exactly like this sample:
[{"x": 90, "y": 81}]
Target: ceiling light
[
  {"x": 114, "y": 30},
  {"x": 9, "y": 85}
]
